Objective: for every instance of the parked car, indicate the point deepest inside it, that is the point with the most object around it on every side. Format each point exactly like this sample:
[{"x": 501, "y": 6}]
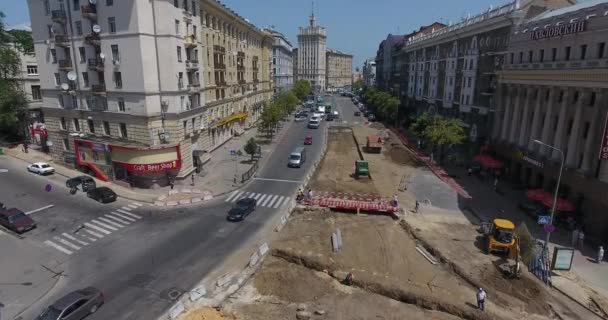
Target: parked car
[
  {"x": 357, "y": 113},
  {"x": 84, "y": 183},
  {"x": 242, "y": 209},
  {"x": 371, "y": 117},
  {"x": 300, "y": 118},
  {"x": 41, "y": 168},
  {"x": 15, "y": 220},
  {"x": 75, "y": 305},
  {"x": 308, "y": 140},
  {"x": 102, "y": 194}
]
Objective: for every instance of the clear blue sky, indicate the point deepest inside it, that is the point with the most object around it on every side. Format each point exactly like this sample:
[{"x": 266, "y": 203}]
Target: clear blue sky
[{"x": 353, "y": 26}]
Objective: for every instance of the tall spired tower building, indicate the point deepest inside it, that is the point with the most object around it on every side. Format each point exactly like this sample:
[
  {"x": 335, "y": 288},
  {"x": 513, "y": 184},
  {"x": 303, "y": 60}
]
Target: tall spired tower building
[{"x": 312, "y": 42}]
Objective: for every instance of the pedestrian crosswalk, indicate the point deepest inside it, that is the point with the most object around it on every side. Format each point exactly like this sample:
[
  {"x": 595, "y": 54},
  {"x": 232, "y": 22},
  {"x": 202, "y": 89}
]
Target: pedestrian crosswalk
[
  {"x": 95, "y": 229},
  {"x": 264, "y": 200}
]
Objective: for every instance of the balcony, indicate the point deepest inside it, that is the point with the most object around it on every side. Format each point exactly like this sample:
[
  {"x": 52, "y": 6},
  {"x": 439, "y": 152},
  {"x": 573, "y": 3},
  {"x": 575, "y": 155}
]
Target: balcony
[
  {"x": 194, "y": 87},
  {"x": 187, "y": 16},
  {"x": 219, "y": 49},
  {"x": 220, "y": 83},
  {"x": 62, "y": 40},
  {"x": 190, "y": 41},
  {"x": 65, "y": 64},
  {"x": 89, "y": 12},
  {"x": 242, "y": 81},
  {"x": 191, "y": 64},
  {"x": 58, "y": 16},
  {"x": 95, "y": 64},
  {"x": 219, "y": 66},
  {"x": 93, "y": 39},
  {"x": 98, "y": 89},
  {"x": 240, "y": 68}
]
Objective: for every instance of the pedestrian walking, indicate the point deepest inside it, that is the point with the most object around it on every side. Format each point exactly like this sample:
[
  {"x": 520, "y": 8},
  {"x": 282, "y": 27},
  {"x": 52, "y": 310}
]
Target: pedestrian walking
[
  {"x": 416, "y": 206},
  {"x": 469, "y": 171},
  {"x": 495, "y": 183},
  {"x": 481, "y": 299},
  {"x": 574, "y": 237},
  {"x": 581, "y": 239},
  {"x": 192, "y": 178},
  {"x": 600, "y": 254}
]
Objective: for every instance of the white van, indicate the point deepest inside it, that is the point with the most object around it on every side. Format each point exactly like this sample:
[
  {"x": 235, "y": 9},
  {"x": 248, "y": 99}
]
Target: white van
[
  {"x": 314, "y": 122},
  {"x": 297, "y": 157}
]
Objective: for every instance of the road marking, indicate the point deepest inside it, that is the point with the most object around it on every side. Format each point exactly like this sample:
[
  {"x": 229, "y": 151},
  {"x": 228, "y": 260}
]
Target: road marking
[
  {"x": 74, "y": 239},
  {"x": 94, "y": 233},
  {"x": 271, "y": 202},
  {"x": 258, "y": 196},
  {"x": 133, "y": 206},
  {"x": 58, "y": 247},
  {"x": 262, "y": 198},
  {"x": 281, "y": 199},
  {"x": 244, "y": 195},
  {"x": 3, "y": 170},
  {"x": 232, "y": 195},
  {"x": 278, "y": 180},
  {"x": 253, "y": 195},
  {"x": 92, "y": 226},
  {"x": 123, "y": 216},
  {"x": 129, "y": 214},
  {"x": 67, "y": 243},
  {"x": 266, "y": 200},
  {"x": 40, "y": 209},
  {"x": 104, "y": 225},
  {"x": 118, "y": 225},
  {"x": 126, "y": 208},
  {"x": 92, "y": 239},
  {"x": 137, "y": 204},
  {"x": 111, "y": 217}
]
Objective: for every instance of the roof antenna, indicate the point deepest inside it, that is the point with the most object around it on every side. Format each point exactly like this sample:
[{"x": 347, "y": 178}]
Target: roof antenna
[{"x": 312, "y": 16}]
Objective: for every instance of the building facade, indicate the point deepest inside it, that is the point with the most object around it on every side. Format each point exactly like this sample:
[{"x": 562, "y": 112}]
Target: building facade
[
  {"x": 369, "y": 72},
  {"x": 553, "y": 87},
  {"x": 238, "y": 83},
  {"x": 312, "y": 45},
  {"x": 384, "y": 60},
  {"x": 282, "y": 62},
  {"x": 294, "y": 55},
  {"x": 339, "y": 70}
]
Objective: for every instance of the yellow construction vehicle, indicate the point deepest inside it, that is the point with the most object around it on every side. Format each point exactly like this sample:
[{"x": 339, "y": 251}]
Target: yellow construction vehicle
[{"x": 500, "y": 237}]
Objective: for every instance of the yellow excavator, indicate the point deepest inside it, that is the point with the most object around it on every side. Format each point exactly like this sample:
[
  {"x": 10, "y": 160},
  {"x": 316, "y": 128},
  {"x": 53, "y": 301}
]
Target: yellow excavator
[{"x": 500, "y": 237}]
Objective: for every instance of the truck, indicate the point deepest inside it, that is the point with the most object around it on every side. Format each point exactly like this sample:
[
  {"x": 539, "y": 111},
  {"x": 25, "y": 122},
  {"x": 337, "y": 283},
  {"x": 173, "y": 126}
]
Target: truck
[
  {"x": 321, "y": 109},
  {"x": 328, "y": 108}
]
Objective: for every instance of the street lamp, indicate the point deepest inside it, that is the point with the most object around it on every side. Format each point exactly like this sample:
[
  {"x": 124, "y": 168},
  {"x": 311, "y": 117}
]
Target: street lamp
[{"x": 559, "y": 178}]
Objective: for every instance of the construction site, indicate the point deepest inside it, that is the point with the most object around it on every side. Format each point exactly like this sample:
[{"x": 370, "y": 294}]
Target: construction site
[{"x": 404, "y": 262}]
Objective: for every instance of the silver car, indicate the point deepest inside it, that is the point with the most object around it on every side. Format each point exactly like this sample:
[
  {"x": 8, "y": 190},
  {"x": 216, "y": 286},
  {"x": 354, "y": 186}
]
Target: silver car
[{"x": 75, "y": 305}]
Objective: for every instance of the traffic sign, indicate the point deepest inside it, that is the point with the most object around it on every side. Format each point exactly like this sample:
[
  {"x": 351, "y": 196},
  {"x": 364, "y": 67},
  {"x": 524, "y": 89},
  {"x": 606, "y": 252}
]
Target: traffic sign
[
  {"x": 233, "y": 152},
  {"x": 549, "y": 227},
  {"x": 544, "y": 219}
]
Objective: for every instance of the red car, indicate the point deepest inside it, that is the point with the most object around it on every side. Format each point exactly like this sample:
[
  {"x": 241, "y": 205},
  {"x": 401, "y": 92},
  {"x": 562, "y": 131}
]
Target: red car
[
  {"x": 14, "y": 219},
  {"x": 308, "y": 140}
]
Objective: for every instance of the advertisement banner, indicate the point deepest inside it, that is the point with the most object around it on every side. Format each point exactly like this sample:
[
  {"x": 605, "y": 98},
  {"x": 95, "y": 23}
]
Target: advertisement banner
[
  {"x": 151, "y": 167},
  {"x": 604, "y": 147}
]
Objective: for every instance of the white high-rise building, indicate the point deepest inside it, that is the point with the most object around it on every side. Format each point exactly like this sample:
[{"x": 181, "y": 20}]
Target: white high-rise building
[{"x": 312, "y": 43}]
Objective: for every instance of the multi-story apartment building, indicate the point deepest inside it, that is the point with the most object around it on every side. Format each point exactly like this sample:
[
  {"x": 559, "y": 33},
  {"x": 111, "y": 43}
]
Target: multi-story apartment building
[
  {"x": 282, "y": 62},
  {"x": 339, "y": 70},
  {"x": 384, "y": 60},
  {"x": 369, "y": 72},
  {"x": 120, "y": 84},
  {"x": 238, "y": 84},
  {"x": 312, "y": 45},
  {"x": 553, "y": 87}
]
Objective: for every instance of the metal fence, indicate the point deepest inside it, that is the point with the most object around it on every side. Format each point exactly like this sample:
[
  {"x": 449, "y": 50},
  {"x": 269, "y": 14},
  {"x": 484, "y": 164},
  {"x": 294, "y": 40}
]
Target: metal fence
[
  {"x": 540, "y": 266},
  {"x": 249, "y": 173}
]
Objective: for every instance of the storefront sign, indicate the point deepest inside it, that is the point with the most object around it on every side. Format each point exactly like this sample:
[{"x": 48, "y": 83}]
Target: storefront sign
[
  {"x": 562, "y": 259},
  {"x": 152, "y": 167},
  {"x": 98, "y": 147},
  {"x": 604, "y": 148},
  {"x": 533, "y": 161},
  {"x": 557, "y": 31}
]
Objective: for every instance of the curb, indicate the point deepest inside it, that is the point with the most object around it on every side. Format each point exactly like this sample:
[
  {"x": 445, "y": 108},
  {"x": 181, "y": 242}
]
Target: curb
[{"x": 578, "y": 302}]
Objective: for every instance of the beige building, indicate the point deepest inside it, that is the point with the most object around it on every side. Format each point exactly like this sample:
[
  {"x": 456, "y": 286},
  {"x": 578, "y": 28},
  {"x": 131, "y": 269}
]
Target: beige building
[
  {"x": 339, "y": 70},
  {"x": 236, "y": 60},
  {"x": 312, "y": 44}
]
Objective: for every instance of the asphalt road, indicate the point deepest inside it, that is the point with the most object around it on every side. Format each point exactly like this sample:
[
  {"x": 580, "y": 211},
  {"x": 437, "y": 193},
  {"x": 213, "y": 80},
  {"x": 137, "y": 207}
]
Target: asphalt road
[{"x": 154, "y": 252}]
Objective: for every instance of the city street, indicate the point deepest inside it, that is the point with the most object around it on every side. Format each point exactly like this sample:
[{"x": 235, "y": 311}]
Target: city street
[{"x": 136, "y": 254}]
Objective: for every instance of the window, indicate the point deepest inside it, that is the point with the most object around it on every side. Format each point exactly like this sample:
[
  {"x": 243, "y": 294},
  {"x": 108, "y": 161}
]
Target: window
[
  {"x": 583, "y": 55},
  {"x": 66, "y": 144},
  {"x": 49, "y": 29},
  {"x": 600, "y": 49},
  {"x": 74, "y": 102},
  {"x": 530, "y": 56},
  {"x": 181, "y": 102},
  {"x": 553, "y": 54},
  {"x": 541, "y": 56},
  {"x": 185, "y": 126},
  {"x": 194, "y": 8},
  {"x": 117, "y": 79},
  {"x": 47, "y": 7},
  {"x": 179, "y": 54},
  {"x": 176, "y": 3},
  {"x": 121, "y": 104},
  {"x": 57, "y": 79},
  {"x": 177, "y": 27},
  {"x": 32, "y": 70},
  {"x": 512, "y": 57},
  {"x": 60, "y": 100},
  {"x": 194, "y": 30},
  {"x": 521, "y": 57},
  {"x": 76, "y": 5},
  {"x": 91, "y": 125},
  {"x": 112, "y": 24},
  {"x": 53, "y": 55},
  {"x": 85, "y": 79},
  {"x": 83, "y": 55},
  {"x": 36, "y": 93},
  {"x": 109, "y": 3},
  {"x": 115, "y": 53},
  {"x": 180, "y": 80},
  {"x": 469, "y": 83},
  {"x": 62, "y": 124},
  {"x": 78, "y": 27},
  {"x": 76, "y": 124},
  {"x": 106, "y": 128},
  {"x": 567, "y": 55},
  {"x": 561, "y": 96},
  {"x": 586, "y": 131},
  {"x": 123, "y": 130},
  {"x": 592, "y": 99}
]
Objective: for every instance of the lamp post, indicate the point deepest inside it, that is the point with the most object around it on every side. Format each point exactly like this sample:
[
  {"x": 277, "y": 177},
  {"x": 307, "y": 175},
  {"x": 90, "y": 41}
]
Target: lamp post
[{"x": 559, "y": 178}]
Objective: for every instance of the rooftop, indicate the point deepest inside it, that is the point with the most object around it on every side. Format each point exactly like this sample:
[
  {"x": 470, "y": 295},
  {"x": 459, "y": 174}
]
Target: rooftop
[
  {"x": 558, "y": 12},
  {"x": 334, "y": 51}
]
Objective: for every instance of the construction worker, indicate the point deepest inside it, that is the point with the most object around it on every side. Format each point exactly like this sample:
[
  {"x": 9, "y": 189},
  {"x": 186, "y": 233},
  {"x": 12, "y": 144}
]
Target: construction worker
[
  {"x": 300, "y": 194},
  {"x": 600, "y": 254},
  {"x": 349, "y": 279},
  {"x": 417, "y": 205},
  {"x": 309, "y": 194},
  {"x": 481, "y": 299}
]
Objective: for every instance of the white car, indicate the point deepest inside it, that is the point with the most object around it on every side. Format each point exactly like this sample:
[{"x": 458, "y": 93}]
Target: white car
[
  {"x": 41, "y": 168},
  {"x": 300, "y": 118}
]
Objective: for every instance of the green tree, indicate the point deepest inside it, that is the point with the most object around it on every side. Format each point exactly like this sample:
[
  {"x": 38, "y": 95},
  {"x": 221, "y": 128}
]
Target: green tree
[
  {"x": 23, "y": 39},
  {"x": 13, "y": 103},
  {"x": 445, "y": 133},
  {"x": 422, "y": 122},
  {"x": 358, "y": 85},
  {"x": 271, "y": 116},
  {"x": 301, "y": 89},
  {"x": 251, "y": 146},
  {"x": 286, "y": 102}
]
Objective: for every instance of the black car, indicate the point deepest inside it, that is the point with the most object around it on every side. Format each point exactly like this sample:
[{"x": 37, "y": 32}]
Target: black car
[
  {"x": 357, "y": 113},
  {"x": 85, "y": 183},
  {"x": 242, "y": 209},
  {"x": 102, "y": 194},
  {"x": 329, "y": 117},
  {"x": 75, "y": 305}
]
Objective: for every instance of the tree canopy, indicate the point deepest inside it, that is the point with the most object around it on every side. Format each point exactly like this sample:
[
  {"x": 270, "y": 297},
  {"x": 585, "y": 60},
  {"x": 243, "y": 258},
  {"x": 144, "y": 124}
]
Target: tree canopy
[
  {"x": 251, "y": 146},
  {"x": 382, "y": 102},
  {"x": 358, "y": 85},
  {"x": 301, "y": 89}
]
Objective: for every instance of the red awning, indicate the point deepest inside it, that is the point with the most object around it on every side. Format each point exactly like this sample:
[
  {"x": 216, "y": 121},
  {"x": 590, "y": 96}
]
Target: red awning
[
  {"x": 487, "y": 161},
  {"x": 561, "y": 204},
  {"x": 538, "y": 194}
]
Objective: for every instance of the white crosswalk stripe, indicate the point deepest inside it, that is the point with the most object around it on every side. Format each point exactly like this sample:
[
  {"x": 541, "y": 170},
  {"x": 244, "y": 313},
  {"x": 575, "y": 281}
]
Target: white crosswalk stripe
[
  {"x": 74, "y": 239},
  {"x": 67, "y": 243},
  {"x": 118, "y": 225},
  {"x": 246, "y": 195},
  {"x": 274, "y": 198},
  {"x": 132, "y": 206},
  {"x": 58, "y": 247},
  {"x": 137, "y": 204},
  {"x": 97, "y": 228},
  {"x": 261, "y": 198},
  {"x": 94, "y": 233},
  {"x": 233, "y": 195},
  {"x": 279, "y": 202},
  {"x": 263, "y": 204},
  {"x": 111, "y": 217},
  {"x": 122, "y": 216},
  {"x": 104, "y": 225},
  {"x": 126, "y": 208},
  {"x": 258, "y": 196},
  {"x": 253, "y": 195},
  {"x": 132, "y": 215},
  {"x": 92, "y": 239}
]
